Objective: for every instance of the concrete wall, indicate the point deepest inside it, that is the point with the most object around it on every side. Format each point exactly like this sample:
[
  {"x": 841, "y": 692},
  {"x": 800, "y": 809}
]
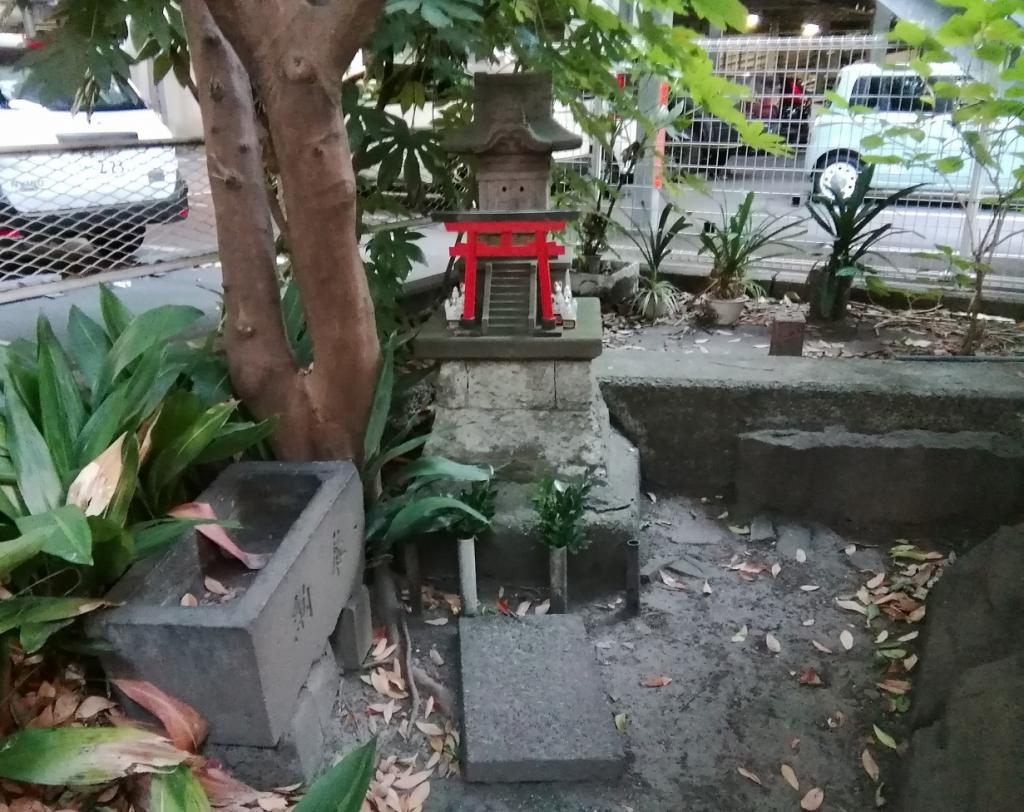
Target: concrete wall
[{"x": 686, "y": 414}]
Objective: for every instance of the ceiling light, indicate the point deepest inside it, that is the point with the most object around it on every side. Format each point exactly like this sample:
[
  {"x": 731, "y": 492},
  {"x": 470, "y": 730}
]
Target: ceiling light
[
  {"x": 810, "y": 30},
  {"x": 753, "y": 21}
]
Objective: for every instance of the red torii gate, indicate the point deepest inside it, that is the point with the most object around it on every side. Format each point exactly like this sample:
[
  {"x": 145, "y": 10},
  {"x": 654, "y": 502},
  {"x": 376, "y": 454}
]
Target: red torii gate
[{"x": 540, "y": 248}]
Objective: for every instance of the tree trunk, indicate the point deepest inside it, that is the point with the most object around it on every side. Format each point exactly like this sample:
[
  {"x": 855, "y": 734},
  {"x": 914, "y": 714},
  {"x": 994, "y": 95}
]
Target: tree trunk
[
  {"x": 296, "y": 53},
  {"x": 827, "y": 307}
]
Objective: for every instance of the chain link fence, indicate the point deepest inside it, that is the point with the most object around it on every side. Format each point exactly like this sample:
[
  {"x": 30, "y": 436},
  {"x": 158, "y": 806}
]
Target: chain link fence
[
  {"x": 788, "y": 79},
  {"x": 87, "y": 209}
]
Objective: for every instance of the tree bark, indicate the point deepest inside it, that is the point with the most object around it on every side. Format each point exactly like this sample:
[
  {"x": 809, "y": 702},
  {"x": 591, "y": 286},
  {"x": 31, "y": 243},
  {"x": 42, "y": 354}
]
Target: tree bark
[{"x": 296, "y": 54}]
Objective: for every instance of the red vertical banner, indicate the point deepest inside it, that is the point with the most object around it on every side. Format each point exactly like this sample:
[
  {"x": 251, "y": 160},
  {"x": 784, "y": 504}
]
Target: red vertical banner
[
  {"x": 469, "y": 305},
  {"x": 659, "y": 137}
]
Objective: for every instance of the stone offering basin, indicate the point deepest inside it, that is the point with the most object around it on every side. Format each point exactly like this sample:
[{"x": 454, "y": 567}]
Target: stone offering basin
[{"x": 242, "y": 662}]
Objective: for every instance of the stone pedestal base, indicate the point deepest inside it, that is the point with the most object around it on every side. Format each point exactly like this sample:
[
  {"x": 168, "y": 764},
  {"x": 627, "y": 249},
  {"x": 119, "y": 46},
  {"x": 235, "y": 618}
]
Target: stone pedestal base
[{"x": 526, "y": 418}]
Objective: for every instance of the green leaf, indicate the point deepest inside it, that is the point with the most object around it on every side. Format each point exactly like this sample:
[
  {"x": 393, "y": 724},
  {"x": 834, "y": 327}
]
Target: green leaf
[
  {"x": 17, "y": 611},
  {"x": 722, "y": 14},
  {"x": 60, "y": 403},
  {"x": 33, "y": 636},
  {"x": 235, "y": 438},
  {"x": 9, "y": 503},
  {"x": 57, "y": 756},
  {"x": 116, "y": 316},
  {"x": 949, "y": 164},
  {"x": 374, "y": 466},
  {"x": 154, "y": 327},
  {"x": 183, "y": 450},
  {"x": 117, "y": 510},
  {"x": 343, "y": 787},
  {"x": 17, "y": 551},
  {"x": 155, "y": 536},
  {"x": 444, "y": 467},
  {"x": 885, "y": 738},
  {"x": 66, "y": 533},
  {"x": 38, "y": 482},
  {"x": 89, "y": 345},
  {"x": 415, "y": 514},
  {"x": 177, "y": 791},
  {"x": 872, "y": 141},
  {"x": 378, "y": 418}
]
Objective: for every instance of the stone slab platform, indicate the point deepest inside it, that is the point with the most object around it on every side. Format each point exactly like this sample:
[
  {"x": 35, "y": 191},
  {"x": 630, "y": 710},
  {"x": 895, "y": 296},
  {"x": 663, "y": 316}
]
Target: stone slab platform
[
  {"x": 533, "y": 704},
  {"x": 435, "y": 341}
]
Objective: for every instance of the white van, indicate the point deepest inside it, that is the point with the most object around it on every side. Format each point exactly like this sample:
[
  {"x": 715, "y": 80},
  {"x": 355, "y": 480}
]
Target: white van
[
  {"x": 65, "y": 175},
  {"x": 897, "y": 97}
]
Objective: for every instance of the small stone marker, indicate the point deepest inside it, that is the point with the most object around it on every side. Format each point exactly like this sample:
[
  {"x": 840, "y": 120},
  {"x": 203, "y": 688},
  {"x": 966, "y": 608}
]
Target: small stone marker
[
  {"x": 788, "y": 334},
  {"x": 534, "y": 706}
]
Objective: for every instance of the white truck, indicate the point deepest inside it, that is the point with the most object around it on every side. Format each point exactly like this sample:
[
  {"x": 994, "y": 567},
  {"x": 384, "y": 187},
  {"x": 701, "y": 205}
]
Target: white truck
[{"x": 66, "y": 175}]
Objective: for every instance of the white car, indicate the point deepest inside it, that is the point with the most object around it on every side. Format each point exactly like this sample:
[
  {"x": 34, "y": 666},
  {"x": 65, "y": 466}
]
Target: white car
[
  {"x": 65, "y": 175},
  {"x": 896, "y": 97}
]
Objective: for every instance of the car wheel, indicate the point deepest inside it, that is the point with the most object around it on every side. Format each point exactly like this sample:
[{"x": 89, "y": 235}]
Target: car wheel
[
  {"x": 840, "y": 172},
  {"x": 117, "y": 245}
]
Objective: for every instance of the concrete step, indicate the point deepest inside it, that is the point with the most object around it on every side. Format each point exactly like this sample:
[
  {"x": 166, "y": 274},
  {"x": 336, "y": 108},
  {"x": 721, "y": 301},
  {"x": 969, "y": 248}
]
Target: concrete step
[
  {"x": 541, "y": 714},
  {"x": 897, "y": 479}
]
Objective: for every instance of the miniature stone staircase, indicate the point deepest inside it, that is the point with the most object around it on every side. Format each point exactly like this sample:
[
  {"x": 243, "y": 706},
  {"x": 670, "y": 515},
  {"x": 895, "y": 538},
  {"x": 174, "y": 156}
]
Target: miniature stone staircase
[{"x": 510, "y": 300}]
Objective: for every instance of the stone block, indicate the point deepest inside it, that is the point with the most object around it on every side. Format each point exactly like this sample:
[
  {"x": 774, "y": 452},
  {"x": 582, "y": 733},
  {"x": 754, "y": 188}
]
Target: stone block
[
  {"x": 300, "y": 755},
  {"x": 525, "y": 444},
  {"x": 551, "y": 720},
  {"x": 453, "y": 385},
  {"x": 898, "y": 479},
  {"x": 787, "y": 334},
  {"x": 575, "y": 385},
  {"x": 240, "y": 663},
  {"x": 323, "y": 683},
  {"x": 511, "y": 385},
  {"x": 353, "y": 635}
]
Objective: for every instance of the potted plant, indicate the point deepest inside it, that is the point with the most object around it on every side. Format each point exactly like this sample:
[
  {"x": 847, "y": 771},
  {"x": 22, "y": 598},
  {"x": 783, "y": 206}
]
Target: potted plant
[
  {"x": 560, "y": 507},
  {"x": 655, "y": 297},
  {"x": 480, "y": 496},
  {"x": 734, "y": 246},
  {"x": 847, "y": 219}
]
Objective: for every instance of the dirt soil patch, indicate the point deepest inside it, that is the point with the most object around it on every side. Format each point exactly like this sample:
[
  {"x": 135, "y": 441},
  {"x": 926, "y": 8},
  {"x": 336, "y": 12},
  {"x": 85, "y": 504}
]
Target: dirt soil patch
[
  {"x": 869, "y": 331},
  {"x": 742, "y": 677}
]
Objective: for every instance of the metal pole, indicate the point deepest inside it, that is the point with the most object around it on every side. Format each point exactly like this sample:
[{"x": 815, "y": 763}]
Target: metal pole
[{"x": 633, "y": 577}]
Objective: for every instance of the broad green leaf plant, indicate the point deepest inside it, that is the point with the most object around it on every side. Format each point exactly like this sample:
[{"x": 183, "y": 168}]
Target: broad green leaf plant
[
  {"x": 850, "y": 223},
  {"x": 560, "y": 507},
  {"x": 97, "y": 442}
]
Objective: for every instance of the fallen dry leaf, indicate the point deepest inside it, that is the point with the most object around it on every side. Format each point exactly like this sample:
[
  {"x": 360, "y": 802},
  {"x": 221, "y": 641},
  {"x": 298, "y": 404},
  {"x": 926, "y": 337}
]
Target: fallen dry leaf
[
  {"x": 808, "y": 622},
  {"x": 776, "y": 569},
  {"x": 772, "y": 642},
  {"x": 215, "y": 533},
  {"x": 621, "y": 720},
  {"x": 885, "y": 738},
  {"x": 418, "y": 797},
  {"x": 876, "y": 582},
  {"x": 96, "y": 484},
  {"x": 407, "y": 782},
  {"x": 749, "y": 776},
  {"x": 813, "y": 800},
  {"x": 669, "y": 581},
  {"x": 435, "y": 657},
  {"x": 852, "y": 606},
  {"x": 542, "y": 607},
  {"x": 93, "y": 705},
  {"x": 740, "y": 636},
  {"x": 790, "y": 776},
  {"x": 906, "y": 638},
  {"x": 808, "y": 676},
  {"x": 436, "y": 621},
  {"x": 429, "y": 728},
  {"x": 917, "y": 615},
  {"x": 184, "y": 726},
  {"x": 794, "y": 744},
  {"x": 272, "y": 803},
  {"x": 870, "y": 765},
  {"x": 850, "y": 549},
  {"x": 846, "y": 639},
  {"x": 706, "y": 589},
  {"x": 910, "y": 662},
  {"x": 523, "y": 608},
  {"x": 739, "y": 531},
  {"x": 820, "y": 647},
  {"x": 896, "y": 687},
  {"x": 214, "y": 586},
  {"x": 657, "y": 682},
  {"x": 882, "y": 636},
  {"x": 801, "y": 556},
  {"x": 189, "y": 600},
  {"x": 810, "y": 587}
]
